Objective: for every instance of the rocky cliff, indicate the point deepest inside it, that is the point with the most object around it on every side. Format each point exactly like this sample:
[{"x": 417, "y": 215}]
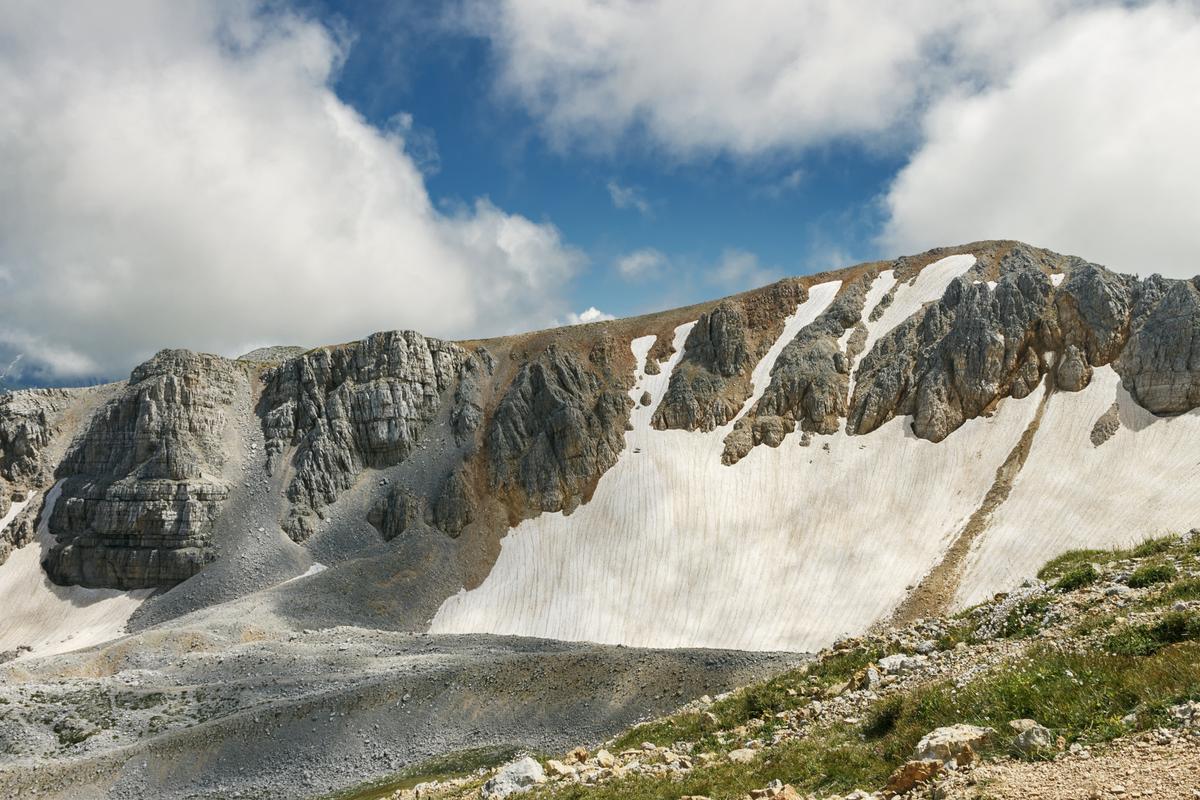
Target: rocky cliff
[
  {"x": 144, "y": 484},
  {"x": 626, "y": 431}
]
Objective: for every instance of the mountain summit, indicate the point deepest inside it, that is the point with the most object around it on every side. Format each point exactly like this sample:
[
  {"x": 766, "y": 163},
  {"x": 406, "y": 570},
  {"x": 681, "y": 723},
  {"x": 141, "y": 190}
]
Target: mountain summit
[{"x": 768, "y": 472}]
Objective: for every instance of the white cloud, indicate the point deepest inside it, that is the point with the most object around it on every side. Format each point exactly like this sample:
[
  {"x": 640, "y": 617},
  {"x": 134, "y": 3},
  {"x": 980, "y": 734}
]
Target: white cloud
[
  {"x": 709, "y": 75},
  {"x": 179, "y": 173},
  {"x": 624, "y": 197},
  {"x": 641, "y": 264},
  {"x": 1089, "y": 148},
  {"x": 592, "y": 314},
  {"x": 739, "y": 270}
]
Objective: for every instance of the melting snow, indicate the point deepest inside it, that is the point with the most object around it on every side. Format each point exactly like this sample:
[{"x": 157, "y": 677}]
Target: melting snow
[{"x": 55, "y": 619}]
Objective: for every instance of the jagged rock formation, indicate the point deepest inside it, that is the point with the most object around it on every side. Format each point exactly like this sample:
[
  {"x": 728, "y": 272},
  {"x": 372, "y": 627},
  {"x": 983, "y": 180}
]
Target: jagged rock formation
[
  {"x": 712, "y": 381},
  {"x": 28, "y": 421},
  {"x": 809, "y": 381},
  {"x": 556, "y": 430},
  {"x": 347, "y": 408},
  {"x": 920, "y": 369},
  {"x": 143, "y": 486},
  {"x": 1161, "y": 363}
]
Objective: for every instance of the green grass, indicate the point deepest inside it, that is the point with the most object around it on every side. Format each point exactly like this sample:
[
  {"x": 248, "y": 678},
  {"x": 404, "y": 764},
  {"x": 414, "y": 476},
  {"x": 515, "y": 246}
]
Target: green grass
[
  {"x": 1077, "y": 577},
  {"x": 790, "y": 690},
  {"x": 452, "y": 765},
  {"x": 1150, "y": 574},
  {"x": 1183, "y": 589},
  {"x": 1058, "y": 567},
  {"x": 1142, "y": 640},
  {"x": 1080, "y": 695}
]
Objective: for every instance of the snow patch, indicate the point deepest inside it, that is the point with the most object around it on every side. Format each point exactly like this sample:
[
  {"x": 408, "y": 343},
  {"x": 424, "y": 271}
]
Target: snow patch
[
  {"x": 56, "y": 619},
  {"x": 788, "y": 549},
  {"x": 1141, "y": 482}
]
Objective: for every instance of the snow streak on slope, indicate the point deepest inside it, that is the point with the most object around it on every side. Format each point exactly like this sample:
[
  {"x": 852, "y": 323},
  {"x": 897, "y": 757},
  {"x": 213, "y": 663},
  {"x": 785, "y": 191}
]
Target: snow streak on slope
[
  {"x": 788, "y": 549},
  {"x": 1072, "y": 494},
  {"x": 819, "y": 298},
  {"x": 56, "y": 619}
]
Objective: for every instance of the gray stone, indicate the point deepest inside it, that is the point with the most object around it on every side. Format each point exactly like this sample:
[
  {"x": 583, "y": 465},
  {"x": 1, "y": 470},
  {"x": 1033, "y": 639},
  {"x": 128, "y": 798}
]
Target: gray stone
[{"x": 516, "y": 778}]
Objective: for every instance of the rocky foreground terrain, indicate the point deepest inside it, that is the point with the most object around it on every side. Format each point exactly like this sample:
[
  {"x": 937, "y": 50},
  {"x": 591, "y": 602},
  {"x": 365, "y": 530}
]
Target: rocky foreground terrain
[
  {"x": 224, "y": 576},
  {"x": 1081, "y": 683}
]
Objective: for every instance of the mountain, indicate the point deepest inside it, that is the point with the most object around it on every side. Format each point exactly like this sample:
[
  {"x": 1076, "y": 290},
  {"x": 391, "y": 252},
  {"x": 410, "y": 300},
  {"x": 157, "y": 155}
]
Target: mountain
[{"x": 766, "y": 473}]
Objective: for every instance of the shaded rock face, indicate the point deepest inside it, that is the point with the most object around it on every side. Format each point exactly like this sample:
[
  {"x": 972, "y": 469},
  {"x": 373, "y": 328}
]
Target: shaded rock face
[
  {"x": 1160, "y": 366},
  {"x": 348, "y": 408},
  {"x": 143, "y": 486},
  {"x": 558, "y": 428},
  {"x": 29, "y": 419},
  {"x": 451, "y": 510},
  {"x": 712, "y": 380}
]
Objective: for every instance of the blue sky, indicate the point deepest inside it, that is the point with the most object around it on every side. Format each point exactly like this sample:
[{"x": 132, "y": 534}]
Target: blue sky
[
  {"x": 226, "y": 174},
  {"x": 796, "y": 212}
]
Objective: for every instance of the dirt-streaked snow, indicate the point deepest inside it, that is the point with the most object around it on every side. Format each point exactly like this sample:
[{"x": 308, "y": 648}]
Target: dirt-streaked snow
[
  {"x": 56, "y": 619},
  {"x": 1073, "y": 494},
  {"x": 786, "y": 550}
]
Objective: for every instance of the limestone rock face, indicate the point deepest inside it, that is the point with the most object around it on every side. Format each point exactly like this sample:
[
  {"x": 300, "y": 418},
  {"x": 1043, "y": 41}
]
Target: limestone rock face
[
  {"x": 143, "y": 485},
  {"x": 809, "y": 381},
  {"x": 1160, "y": 366},
  {"x": 957, "y": 357},
  {"x": 344, "y": 409},
  {"x": 558, "y": 428},
  {"x": 712, "y": 380},
  {"x": 27, "y": 422}
]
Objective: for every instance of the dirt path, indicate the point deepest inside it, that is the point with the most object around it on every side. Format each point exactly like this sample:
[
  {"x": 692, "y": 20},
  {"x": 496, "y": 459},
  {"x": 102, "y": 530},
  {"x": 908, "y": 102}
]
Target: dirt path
[{"x": 1129, "y": 769}]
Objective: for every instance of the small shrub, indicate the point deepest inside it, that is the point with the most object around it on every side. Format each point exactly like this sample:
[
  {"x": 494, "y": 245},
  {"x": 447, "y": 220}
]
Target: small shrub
[
  {"x": 1150, "y": 574},
  {"x": 1026, "y": 618},
  {"x": 1185, "y": 589},
  {"x": 1154, "y": 547},
  {"x": 882, "y": 718},
  {"x": 1077, "y": 578},
  {"x": 1145, "y": 640}
]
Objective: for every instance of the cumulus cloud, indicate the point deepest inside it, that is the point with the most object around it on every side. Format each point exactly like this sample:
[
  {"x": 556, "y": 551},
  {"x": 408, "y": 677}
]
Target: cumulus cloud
[
  {"x": 181, "y": 173},
  {"x": 1090, "y": 148},
  {"x": 707, "y": 75},
  {"x": 592, "y": 314},
  {"x": 624, "y": 197},
  {"x": 647, "y": 262}
]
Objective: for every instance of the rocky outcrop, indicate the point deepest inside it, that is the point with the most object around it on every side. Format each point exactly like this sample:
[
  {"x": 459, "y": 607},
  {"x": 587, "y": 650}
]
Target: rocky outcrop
[
  {"x": 809, "y": 382},
  {"x": 961, "y": 355},
  {"x": 28, "y": 420},
  {"x": 143, "y": 485},
  {"x": 711, "y": 382},
  {"x": 344, "y": 409},
  {"x": 559, "y": 426},
  {"x": 1160, "y": 365},
  {"x": 451, "y": 510}
]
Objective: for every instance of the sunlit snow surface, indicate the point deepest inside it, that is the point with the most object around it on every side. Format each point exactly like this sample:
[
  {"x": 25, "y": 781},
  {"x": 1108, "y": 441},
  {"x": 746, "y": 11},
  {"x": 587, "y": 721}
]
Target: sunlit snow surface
[{"x": 795, "y": 546}]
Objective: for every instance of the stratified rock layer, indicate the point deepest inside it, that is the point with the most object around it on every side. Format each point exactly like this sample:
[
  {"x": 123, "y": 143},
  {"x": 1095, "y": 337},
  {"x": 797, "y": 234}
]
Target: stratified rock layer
[
  {"x": 347, "y": 408},
  {"x": 143, "y": 486}
]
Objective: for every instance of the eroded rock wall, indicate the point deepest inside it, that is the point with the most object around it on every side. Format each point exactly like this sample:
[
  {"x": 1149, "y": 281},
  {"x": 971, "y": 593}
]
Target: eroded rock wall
[
  {"x": 143, "y": 485},
  {"x": 335, "y": 411}
]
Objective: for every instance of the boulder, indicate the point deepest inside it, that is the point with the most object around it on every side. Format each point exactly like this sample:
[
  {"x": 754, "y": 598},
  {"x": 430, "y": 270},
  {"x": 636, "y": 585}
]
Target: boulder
[
  {"x": 1034, "y": 739},
  {"x": 518, "y": 777},
  {"x": 945, "y": 745}
]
